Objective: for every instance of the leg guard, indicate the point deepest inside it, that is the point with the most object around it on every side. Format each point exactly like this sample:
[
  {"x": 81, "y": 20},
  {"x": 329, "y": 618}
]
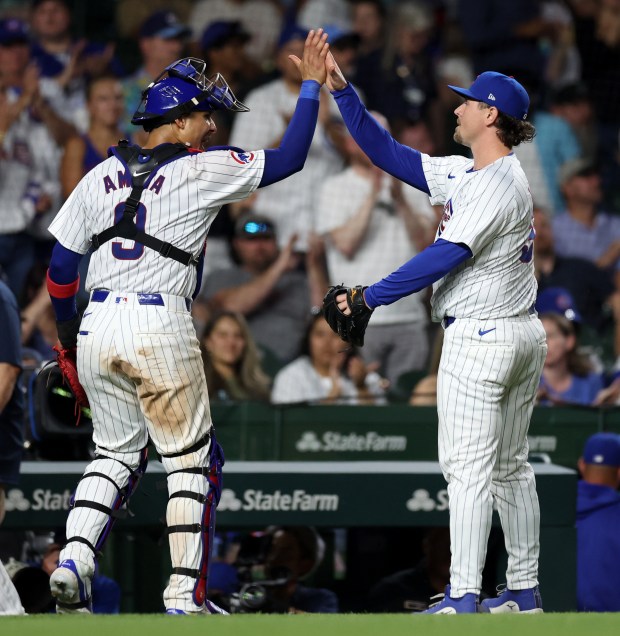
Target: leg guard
[
  {"x": 100, "y": 498},
  {"x": 194, "y": 489}
]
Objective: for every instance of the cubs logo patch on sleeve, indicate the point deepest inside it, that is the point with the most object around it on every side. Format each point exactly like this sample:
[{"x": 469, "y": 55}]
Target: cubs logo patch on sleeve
[{"x": 242, "y": 157}]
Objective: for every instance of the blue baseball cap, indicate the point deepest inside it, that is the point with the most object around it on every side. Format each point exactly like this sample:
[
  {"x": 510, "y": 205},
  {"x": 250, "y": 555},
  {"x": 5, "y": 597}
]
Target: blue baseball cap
[
  {"x": 221, "y": 32},
  {"x": 602, "y": 449},
  {"x": 292, "y": 32},
  {"x": 499, "y": 90},
  {"x": 13, "y": 31},
  {"x": 339, "y": 37},
  {"x": 557, "y": 300},
  {"x": 164, "y": 24}
]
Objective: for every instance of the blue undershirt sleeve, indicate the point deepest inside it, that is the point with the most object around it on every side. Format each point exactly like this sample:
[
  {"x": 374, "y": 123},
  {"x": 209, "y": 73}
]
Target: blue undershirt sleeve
[
  {"x": 431, "y": 264},
  {"x": 64, "y": 270},
  {"x": 383, "y": 150},
  {"x": 291, "y": 155}
]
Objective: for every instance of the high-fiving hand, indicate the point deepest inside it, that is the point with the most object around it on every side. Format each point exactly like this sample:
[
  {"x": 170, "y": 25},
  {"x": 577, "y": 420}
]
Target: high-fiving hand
[
  {"x": 313, "y": 65},
  {"x": 335, "y": 79}
]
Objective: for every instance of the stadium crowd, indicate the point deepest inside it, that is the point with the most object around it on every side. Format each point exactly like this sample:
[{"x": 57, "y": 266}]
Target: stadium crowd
[
  {"x": 70, "y": 81},
  {"x": 71, "y": 78}
]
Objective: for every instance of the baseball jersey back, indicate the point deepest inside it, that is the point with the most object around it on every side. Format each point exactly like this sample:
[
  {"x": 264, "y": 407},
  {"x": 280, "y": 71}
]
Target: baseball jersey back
[
  {"x": 178, "y": 204},
  {"x": 490, "y": 210}
]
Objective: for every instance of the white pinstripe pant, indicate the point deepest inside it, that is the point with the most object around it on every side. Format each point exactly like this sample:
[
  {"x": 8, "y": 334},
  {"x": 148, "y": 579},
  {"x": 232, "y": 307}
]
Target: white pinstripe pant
[
  {"x": 486, "y": 389},
  {"x": 142, "y": 370}
]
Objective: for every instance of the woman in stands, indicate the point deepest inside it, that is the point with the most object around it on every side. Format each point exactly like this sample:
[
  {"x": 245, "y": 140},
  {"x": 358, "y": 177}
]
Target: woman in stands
[{"x": 231, "y": 360}]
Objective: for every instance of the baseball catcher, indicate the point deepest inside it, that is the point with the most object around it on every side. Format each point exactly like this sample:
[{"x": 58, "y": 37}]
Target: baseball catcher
[{"x": 351, "y": 326}]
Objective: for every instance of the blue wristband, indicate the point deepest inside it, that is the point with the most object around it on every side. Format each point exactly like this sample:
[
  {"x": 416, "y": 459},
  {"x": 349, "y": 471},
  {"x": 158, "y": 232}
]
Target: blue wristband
[{"x": 310, "y": 89}]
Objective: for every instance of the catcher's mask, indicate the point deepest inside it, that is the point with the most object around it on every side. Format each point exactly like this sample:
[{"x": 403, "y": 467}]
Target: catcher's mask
[
  {"x": 181, "y": 88},
  {"x": 52, "y": 407}
]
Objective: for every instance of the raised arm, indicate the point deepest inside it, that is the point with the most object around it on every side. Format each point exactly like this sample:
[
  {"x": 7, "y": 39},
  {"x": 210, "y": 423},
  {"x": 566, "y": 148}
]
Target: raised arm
[
  {"x": 383, "y": 150},
  {"x": 291, "y": 155}
]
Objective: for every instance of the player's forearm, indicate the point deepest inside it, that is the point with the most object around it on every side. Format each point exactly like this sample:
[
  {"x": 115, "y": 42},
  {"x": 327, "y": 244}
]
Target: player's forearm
[
  {"x": 384, "y": 151},
  {"x": 348, "y": 237},
  {"x": 8, "y": 378},
  {"x": 63, "y": 281},
  {"x": 248, "y": 297},
  {"x": 419, "y": 229},
  {"x": 421, "y": 271},
  {"x": 291, "y": 155}
]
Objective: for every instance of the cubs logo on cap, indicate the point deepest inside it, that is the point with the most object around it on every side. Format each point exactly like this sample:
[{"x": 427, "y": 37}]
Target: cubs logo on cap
[{"x": 499, "y": 90}]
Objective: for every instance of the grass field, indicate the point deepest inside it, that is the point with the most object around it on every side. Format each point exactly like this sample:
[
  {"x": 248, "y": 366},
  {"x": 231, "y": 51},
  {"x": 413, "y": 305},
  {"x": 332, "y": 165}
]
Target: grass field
[{"x": 313, "y": 625}]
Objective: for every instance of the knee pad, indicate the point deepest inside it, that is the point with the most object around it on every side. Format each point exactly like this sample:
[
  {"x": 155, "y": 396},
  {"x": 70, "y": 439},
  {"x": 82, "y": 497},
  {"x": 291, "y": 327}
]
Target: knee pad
[
  {"x": 100, "y": 498},
  {"x": 194, "y": 489}
]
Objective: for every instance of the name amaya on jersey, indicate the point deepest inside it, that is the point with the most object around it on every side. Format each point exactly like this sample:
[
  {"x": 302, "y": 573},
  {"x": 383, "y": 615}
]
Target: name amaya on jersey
[{"x": 177, "y": 206}]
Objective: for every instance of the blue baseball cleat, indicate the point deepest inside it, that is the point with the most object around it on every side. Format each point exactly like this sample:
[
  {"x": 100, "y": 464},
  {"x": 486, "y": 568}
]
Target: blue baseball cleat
[
  {"x": 467, "y": 604},
  {"x": 70, "y": 586},
  {"x": 515, "y": 601}
]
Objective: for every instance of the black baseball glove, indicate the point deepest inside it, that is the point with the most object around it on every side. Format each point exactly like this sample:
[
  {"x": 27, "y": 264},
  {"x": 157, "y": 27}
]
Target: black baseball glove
[{"x": 350, "y": 328}]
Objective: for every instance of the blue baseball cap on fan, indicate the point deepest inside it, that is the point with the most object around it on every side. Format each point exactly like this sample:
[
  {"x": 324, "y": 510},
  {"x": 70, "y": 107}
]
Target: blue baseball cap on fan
[
  {"x": 164, "y": 24},
  {"x": 13, "y": 31},
  {"x": 557, "y": 300},
  {"x": 602, "y": 449},
  {"x": 499, "y": 90}
]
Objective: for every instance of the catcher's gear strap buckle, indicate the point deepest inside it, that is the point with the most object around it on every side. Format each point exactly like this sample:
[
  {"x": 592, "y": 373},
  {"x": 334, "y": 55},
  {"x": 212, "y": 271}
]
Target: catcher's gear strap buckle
[
  {"x": 140, "y": 164},
  {"x": 87, "y": 543},
  {"x": 195, "y": 574}
]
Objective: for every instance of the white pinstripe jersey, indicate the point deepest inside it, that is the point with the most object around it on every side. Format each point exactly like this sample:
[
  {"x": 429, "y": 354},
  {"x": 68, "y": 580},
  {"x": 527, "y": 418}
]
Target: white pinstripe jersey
[
  {"x": 178, "y": 205},
  {"x": 489, "y": 210}
]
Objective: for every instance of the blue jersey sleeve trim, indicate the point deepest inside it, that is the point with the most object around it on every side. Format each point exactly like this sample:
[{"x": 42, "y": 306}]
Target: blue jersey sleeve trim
[
  {"x": 422, "y": 270},
  {"x": 383, "y": 150},
  {"x": 64, "y": 270},
  {"x": 291, "y": 155}
]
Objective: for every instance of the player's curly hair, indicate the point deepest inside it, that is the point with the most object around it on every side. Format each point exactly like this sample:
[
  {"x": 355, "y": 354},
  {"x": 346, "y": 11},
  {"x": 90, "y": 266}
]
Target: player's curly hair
[{"x": 510, "y": 130}]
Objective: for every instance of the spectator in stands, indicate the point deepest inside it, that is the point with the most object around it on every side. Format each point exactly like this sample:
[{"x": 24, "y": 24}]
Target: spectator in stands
[
  {"x": 130, "y": 14},
  {"x": 555, "y": 145},
  {"x": 262, "y": 19},
  {"x": 505, "y": 36},
  {"x": 222, "y": 49},
  {"x": 568, "y": 376},
  {"x": 597, "y": 33},
  {"x": 266, "y": 286},
  {"x": 106, "y": 107},
  {"x": 11, "y": 418},
  {"x": 598, "y": 520},
  {"x": 297, "y": 551},
  {"x": 324, "y": 373},
  {"x": 161, "y": 40},
  {"x": 334, "y": 12},
  {"x": 573, "y": 104},
  {"x": 424, "y": 393},
  {"x": 69, "y": 61},
  {"x": 291, "y": 203},
  {"x": 410, "y": 590},
  {"x": 231, "y": 360},
  {"x": 371, "y": 224},
  {"x": 584, "y": 230},
  {"x": 591, "y": 287},
  {"x": 30, "y": 134},
  {"x": 405, "y": 90}
]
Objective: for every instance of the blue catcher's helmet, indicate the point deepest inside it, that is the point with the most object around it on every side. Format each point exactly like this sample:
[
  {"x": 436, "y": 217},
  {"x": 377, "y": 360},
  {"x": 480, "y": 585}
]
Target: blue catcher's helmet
[{"x": 180, "y": 89}]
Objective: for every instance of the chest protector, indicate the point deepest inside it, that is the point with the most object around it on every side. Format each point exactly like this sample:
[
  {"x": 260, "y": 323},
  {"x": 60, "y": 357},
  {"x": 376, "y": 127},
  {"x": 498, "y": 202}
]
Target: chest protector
[{"x": 140, "y": 164}]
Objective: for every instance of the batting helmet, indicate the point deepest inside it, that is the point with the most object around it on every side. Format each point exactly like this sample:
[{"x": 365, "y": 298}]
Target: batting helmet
[{"x": 180, "y": 89}]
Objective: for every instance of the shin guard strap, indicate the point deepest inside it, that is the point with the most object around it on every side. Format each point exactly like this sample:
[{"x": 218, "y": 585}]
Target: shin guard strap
[
  {"x": 194, "y": 528},
  {"x": 195, "y": 574},
  {"x": 86, "y": 542},
  {"x": 199, "y": 497}
]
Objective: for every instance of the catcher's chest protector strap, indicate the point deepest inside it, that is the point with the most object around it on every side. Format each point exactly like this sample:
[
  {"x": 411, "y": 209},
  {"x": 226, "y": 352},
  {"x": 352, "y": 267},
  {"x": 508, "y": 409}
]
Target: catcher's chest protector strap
[{"x": 140, "y": 164}]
